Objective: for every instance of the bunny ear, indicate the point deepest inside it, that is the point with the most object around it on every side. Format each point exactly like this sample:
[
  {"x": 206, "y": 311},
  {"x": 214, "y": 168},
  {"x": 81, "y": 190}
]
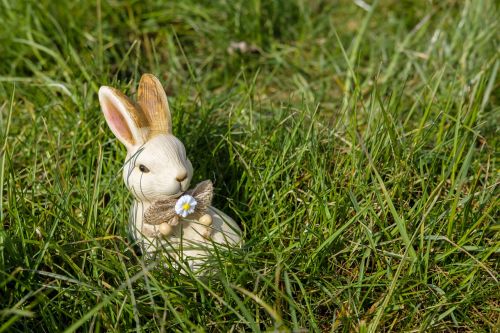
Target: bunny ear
[
  {"x": 153, "y": 100},
  {"x": 123, "y": 117}
]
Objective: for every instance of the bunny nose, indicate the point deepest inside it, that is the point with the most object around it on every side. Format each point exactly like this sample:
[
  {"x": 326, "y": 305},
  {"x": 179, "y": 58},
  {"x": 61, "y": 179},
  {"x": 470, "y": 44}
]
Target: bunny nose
[{"x": 181, "y": 176}]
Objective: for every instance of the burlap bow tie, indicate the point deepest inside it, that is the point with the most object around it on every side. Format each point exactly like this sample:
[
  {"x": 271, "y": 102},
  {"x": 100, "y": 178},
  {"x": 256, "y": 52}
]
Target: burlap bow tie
[{"x": 163, "y": 211}]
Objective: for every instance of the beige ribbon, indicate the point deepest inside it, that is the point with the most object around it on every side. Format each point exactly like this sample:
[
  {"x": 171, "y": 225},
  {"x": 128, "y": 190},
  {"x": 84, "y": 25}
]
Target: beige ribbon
[{"x": 163, "y": 211}]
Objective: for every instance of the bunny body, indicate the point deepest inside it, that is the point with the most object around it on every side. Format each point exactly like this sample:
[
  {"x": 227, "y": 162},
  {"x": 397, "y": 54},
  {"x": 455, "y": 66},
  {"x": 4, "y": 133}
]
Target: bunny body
[
  {"x": 188, "y": 234},
  {"x": 157, "y": 168}
]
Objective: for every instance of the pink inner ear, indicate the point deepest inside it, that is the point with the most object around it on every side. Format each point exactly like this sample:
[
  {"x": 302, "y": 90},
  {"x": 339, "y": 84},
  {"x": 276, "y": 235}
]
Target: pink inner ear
[{"x": 117, "y": 123}]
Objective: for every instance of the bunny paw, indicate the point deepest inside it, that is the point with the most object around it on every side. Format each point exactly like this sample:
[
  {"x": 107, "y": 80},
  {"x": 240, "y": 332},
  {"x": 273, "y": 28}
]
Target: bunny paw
[
  {"x": 165, "y": 229},
  {"x": 206, "y": 220}
]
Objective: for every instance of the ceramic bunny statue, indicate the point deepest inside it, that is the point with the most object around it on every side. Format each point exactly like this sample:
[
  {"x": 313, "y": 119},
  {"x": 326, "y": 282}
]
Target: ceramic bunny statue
[{"x": 157, "y": 172}]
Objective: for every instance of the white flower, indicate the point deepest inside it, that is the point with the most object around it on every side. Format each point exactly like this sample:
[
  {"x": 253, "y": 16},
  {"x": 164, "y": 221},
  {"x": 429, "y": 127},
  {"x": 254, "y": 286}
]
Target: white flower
[{"x": 185, "y": 205}]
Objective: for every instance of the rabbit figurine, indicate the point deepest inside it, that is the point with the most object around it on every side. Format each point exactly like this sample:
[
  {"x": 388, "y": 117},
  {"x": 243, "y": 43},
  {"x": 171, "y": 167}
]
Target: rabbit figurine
[{"x": 157, "y": 170}]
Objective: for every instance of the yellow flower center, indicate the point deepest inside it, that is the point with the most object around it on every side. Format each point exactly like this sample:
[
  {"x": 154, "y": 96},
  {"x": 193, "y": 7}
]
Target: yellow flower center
[{"x": 186, "y": 206}]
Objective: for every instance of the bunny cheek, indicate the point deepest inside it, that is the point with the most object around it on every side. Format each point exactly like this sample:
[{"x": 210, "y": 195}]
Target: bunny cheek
[{"x": 150, "y": 186}]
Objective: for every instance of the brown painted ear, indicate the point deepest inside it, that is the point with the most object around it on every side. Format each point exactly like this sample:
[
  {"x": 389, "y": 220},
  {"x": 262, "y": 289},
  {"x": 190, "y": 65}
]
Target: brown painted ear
[
  {"x": 153, "y": 101},
  {"x": 123, "y": 117}
]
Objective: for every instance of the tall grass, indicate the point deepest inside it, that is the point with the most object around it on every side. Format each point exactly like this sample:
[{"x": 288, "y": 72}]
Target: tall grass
[{"x": 354, "y": 142}]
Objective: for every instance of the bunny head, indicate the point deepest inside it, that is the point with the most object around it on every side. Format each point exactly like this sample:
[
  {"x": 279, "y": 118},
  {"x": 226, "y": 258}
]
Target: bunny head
[{"x": 156, "y": 166}]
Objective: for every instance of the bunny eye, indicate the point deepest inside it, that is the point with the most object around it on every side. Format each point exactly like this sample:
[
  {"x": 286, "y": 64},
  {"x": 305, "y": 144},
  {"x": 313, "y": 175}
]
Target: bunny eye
[{"x": 143, "y": 168}]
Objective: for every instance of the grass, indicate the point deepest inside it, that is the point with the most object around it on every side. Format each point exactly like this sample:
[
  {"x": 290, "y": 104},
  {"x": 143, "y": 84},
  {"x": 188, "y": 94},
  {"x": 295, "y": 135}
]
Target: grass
[{"x": 355, "y": 143}]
